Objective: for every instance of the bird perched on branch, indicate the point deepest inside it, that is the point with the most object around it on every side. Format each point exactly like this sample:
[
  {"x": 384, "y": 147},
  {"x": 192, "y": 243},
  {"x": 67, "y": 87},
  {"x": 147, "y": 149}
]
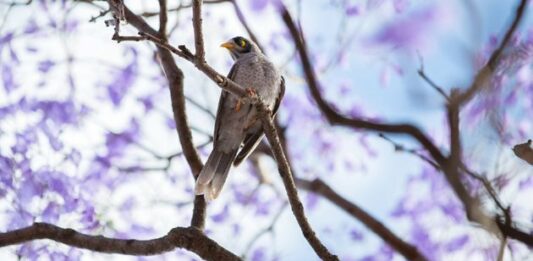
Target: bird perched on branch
[{"x": 238, "y": 129}]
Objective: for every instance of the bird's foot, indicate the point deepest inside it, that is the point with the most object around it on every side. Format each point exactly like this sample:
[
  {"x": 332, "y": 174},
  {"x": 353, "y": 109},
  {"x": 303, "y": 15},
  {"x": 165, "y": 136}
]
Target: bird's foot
[
  {"x": 251, "y": 92},
  {"x": 238, "y": 105}
]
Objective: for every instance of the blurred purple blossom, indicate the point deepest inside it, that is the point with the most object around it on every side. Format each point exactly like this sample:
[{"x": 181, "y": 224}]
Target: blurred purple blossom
[
  {"x": 408, "y": 32},
  {"x": 311, "y": 201},
  {"x": 258, "y": 5},
  {"x": 356, "y": 235},
  {"x": 117, "y": 142},
  {"x": 45, "y": 66},
  {"x": 8, "y": 78},
  {"x": 221, "y": 216},
  {"x": 258, "y": 254},
  {"x": 51, "y": 213},
  {"x": 123, "y": 80},
  {"x": 400, "y": 5},
  {"x": 457, "y": 243},
  {"x": 352, "y": 10},
  {"x": 31, "y": 27}
]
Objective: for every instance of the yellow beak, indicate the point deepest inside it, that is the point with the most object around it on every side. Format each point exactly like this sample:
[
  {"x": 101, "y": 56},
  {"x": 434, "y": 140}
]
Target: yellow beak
[{"x": 228, "y": 45}]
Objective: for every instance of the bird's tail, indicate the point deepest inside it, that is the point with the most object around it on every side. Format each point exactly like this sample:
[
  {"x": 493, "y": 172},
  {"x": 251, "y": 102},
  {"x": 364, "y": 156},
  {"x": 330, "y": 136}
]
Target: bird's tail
[{"x": 214, "y": 173}]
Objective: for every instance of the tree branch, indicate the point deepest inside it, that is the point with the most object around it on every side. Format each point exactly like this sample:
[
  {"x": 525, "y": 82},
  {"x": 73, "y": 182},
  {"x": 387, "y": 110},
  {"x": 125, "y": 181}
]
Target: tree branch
[
  {"x": 286, "y": 175},
  {"x": 198, "y": 31},
  {"x": 333, "y": 116},
  {"x": 319, "y": 187},
  {"x": 163, "y": 19},
  {"x": 188, "y": 238},
  {"x": 484, "y": 75}
]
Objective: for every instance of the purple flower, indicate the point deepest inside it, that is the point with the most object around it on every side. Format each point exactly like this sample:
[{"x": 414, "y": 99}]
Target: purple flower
[
  {"x": 122, "y": 81},
  {"x": 117, "y": 142},
  {"x": 45, "y": 66},
  {"x": 29, "y": 188},
  {"x": 51, "y": 213},
  {"x": 356, "y": 235},
  {"x": 31, "y": 27},
  {"x": 400, "y": 5},
  {"x": 60, "y": 112},
  {"x": 311, "y": 201},
  {"x": 352, "y": 10},
  {"x": 222, "y": 215},
  {"x": 8, "y": 78},
  {"x": 258, "y": 254},
  {"x": 457, "y": 243},
  {"x": 258, "y": 5},
  {"x": 409, "y": 32}
]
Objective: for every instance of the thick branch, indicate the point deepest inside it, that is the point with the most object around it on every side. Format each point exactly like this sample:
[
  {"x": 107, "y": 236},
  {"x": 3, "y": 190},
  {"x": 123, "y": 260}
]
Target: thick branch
[
  {"x": 333, "y": 116},
  {"x": 319, "y": 187},
  {"x": 514, "y": 233},
  {"x": 286, "y": 175},
  {"x": 188, "y": 238}
]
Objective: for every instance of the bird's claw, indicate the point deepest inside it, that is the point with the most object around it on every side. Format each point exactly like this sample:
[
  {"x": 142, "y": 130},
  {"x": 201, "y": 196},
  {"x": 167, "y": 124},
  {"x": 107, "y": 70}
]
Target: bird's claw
[
  {"x": 251, "y": 92},
  {"x": 238, "y": 105}
]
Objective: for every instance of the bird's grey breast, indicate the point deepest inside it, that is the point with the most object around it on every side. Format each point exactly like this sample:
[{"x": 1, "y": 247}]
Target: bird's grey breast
[{"x": 257, "y": 72}]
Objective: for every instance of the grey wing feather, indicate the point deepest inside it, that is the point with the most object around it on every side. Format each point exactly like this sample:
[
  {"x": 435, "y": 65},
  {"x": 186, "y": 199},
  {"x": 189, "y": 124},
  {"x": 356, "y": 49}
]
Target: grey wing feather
[
  {"x": 216, "y": 168},
  {"x": 252, "y": 140},
  {"x": 223, "y": 97}
]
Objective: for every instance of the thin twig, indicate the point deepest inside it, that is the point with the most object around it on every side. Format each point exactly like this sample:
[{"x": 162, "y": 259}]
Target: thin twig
[
  {"x": 422, "y": 74},
  {"x": 401, "y": 148},
  {"x": 199, "y": 106},
  {"x": 269, "y": 228}
]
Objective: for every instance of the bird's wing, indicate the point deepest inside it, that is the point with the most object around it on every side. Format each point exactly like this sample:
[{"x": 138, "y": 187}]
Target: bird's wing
[
  {"x": 223, "y": 96},
  {"x": 252, "y": 140}
]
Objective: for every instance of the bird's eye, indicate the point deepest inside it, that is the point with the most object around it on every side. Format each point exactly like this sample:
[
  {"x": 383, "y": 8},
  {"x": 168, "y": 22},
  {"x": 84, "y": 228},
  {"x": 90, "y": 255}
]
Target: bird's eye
[{"x": 242, "y": 43}]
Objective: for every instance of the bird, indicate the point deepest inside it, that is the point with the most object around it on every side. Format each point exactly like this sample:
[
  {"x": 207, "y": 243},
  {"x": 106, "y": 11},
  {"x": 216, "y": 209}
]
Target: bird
[{"x": 238, "y": 129}]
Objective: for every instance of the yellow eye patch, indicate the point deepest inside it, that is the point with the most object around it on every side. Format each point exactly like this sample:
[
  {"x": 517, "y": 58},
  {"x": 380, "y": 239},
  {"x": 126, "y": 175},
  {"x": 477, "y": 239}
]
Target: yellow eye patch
[{"x": 243, "y": 43}]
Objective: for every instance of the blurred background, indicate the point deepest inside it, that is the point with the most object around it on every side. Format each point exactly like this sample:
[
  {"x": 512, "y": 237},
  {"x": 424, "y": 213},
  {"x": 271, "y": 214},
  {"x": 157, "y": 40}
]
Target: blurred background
[{"x": 88, "y": 141}]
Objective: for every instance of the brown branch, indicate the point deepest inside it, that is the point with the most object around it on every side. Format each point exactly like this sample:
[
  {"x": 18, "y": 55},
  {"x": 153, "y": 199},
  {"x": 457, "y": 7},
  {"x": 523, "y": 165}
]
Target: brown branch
[
  {"x": 286, "y": 175},
  {"x": 222, "y": 81},
  {"x": 514, "y": 233},
  {"x": 189, "y": 238},
  {"x": 436, "y": 87},
  {"x": 333, "y": 116},
  {"x": 484, "y": 75},
  {"x": 198, "y": 31},
  {"x": 163, "y": 19},
  {"x": 319, "y": 187}
]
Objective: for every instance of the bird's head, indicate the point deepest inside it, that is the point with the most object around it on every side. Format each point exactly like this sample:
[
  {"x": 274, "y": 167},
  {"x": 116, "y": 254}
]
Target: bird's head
[{"x": 238, "y": 46}]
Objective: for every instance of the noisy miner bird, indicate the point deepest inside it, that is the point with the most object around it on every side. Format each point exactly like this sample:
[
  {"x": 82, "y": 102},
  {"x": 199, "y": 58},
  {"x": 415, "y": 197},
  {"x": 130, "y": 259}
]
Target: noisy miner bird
[{"x": 238, "y": 129}]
